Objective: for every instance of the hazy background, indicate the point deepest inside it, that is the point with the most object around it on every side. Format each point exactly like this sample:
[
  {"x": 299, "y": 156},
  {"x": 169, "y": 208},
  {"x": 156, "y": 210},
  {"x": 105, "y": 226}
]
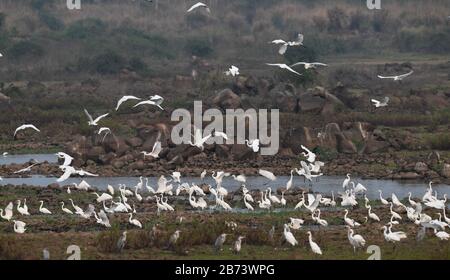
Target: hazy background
[{"x": 42, "y": 39}]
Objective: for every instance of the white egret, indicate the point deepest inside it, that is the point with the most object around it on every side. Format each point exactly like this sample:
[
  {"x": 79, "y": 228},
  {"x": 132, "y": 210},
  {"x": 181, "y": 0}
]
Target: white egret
[
  {"x": 65, "y": 209},
  {"x": 25, "y": 126},
  {"x": 379, "y": 104},
  {"x": 357, "y": 241},
  {"x": 284, "y": 66},
  {"x": 134, "y": 222},
  {"x": 42, "y": 209},
  {"x": 314, "y": 247},
  {"x": 157, "y": 148},
  {"x": 125, "y": 99},
  {"x": 8, "y": 212},
  {"x": 396, "y": 78},
  {"x": 253, "y": 144},
  {"x": 19, "y": 226},
  {"x": 288, "y": 236},
  {"x": 199, "y": 5},
  {"x": 93, "y": 122}
]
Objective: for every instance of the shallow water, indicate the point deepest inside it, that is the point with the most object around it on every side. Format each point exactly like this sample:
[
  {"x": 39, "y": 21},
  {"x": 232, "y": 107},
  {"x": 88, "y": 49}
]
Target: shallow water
[
  {"x": 21, "y": 159},
  {"x": 325, "y": 185}
]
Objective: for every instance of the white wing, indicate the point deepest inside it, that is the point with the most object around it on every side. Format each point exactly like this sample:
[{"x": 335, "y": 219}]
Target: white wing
[
  {"x": 269, "y": 175},
  {"x": 298, "y": 63},
  {"x": 278, "y": 41},
  {"x": 282, "y": 50},
  {"x": 221, "y": 134},
  {"x": 156, "y": 148},
  {"x": 101, "y": 117},
  {"x": 318, "y": 63},
  {"x": 386, "y": 77},
  {"x": 125, "y": 99},
  {"x": 199, "y": 4},
  {"x": 25, "y": 126},
  {"x": 88, "y": 115},
  {"x": 405, "y": 75},
  {"x": 67, "y": 172},
  {"x": 376, "y": 102}
]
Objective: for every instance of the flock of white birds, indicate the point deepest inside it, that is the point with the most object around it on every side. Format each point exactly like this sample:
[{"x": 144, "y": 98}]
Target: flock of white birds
[{"x": 119, "y": 198}]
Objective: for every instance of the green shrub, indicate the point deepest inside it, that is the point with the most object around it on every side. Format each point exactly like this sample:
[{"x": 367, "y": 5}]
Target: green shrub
[
  {"x": 199, "y": 46},
  {"x": 51, "y": 21},
  {"x": 108, "y": 63},
  {"x": 440, "y": 141},
  {"x": 86, "y": 28},
  {"x": 26, "y": 48}
]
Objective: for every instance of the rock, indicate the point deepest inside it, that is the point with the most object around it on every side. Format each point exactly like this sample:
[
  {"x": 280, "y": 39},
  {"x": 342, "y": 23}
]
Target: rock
[
  {"x": 287, "y": 152},
  {"x": 118, "y": 164},
  {"x": 54, "y": 186},
  {"x": 242, "y": 152},
  {"x": 409, "y": 175},
  {"x": 222, "y": 151},
  {"x": 107, "y": 158},
  {"x": 445, "y": 172},
  {"x": 434, "y": 157},
  {"x": 226, "y": 99},
  {"x": 421, "y": 167},
  {"x": 134, "y": 142},
  {"x": 344, "y": 145},
  {"x": 294, "y": 138},
  {"x": 94, "y": 153},
  {"x": 372, "y": 145},
  {"x": 138, "y": 165}
]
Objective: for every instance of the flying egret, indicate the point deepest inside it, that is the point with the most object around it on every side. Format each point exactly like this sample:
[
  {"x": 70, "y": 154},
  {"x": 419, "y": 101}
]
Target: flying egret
[
  {"x": 25, "y": 126},
  {"x": 105, "y": 130},
  {"x": 67, "y": 158},
  {"x": 284, "y": 66},
  {"x": 396, "y": 78},
  {"x": 93, "y": 122},
  {"x": 155, "y": 151},
  {"x": 26, "y": 169},
  {"x": 379, "y": 104},
  {"x": 199, "y": 5},
  {"x": 125, "y": 99},
  {"x": 309, "y": 65}
]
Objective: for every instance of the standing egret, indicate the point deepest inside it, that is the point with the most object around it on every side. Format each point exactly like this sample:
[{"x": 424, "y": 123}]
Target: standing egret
[
  {"x": 122, "y": 241},
  {"x": 314, "y": 247},
  {"x": 238, "y": 244},
  {"x": 357, "y": 241},
  {"x": 220, "y": 241},
  {"x": 42, "y": 209},
  {"x": 288, "y": 236},
  {"x": 134, "y": 222}
]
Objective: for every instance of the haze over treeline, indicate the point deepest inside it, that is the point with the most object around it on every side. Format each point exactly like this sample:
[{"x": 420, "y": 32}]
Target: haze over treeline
[{"x": 42, "y": 38}]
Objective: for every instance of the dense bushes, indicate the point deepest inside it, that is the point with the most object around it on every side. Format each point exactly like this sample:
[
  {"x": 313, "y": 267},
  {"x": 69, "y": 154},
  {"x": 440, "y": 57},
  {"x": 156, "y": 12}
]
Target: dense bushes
[
  {"x": 26, "y": 49},
  {"x": 199, "y": 46},
  {"x": 86, "y": 28}
]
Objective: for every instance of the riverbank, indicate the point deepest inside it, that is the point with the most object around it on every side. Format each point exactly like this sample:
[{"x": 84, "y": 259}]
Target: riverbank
[
  {"x": 198, "y": 231},
  {"x": 401, "y": 165}
]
